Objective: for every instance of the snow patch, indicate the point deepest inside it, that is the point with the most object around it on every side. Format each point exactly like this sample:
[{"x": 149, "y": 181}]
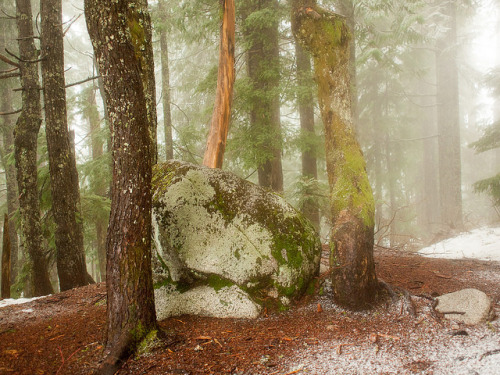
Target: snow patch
[
  {"x": 482, "y": 244},
  {"x": 16, "y": 301}
]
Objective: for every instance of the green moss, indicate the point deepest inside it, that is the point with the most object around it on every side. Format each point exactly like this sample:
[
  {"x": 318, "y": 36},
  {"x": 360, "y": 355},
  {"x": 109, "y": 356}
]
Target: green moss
[
  {"x": 217, "y": 283},
  {"x": 148, "y": 343}
]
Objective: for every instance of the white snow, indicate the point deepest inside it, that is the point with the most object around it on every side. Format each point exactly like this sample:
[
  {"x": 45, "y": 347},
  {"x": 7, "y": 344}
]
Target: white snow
[
  {"x": 482, "y": 244},
  {"x": 16, "y": 301}
]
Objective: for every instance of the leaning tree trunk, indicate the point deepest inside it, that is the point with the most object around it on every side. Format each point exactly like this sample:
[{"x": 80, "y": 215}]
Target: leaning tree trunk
[
  {"x": 219, "y": 126},
  {"x": 326, "y": 36},
  {"x": 71, "y": 266},
  {"x": 25, "y": 146},
  {"x": 116, "y": 31}
]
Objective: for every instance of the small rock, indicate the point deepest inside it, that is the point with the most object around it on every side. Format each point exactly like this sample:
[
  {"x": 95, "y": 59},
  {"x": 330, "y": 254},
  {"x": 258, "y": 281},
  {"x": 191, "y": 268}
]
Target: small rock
[{"x": 469, "y": 306}]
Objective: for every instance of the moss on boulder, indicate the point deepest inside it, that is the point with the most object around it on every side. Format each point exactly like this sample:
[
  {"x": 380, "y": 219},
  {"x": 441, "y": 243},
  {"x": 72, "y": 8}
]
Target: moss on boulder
[{"x": 224, "y": 246}]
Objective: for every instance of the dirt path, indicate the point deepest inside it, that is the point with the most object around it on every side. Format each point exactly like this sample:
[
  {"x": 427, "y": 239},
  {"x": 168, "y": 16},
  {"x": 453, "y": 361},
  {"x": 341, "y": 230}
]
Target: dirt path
[{"x": 62, "y": 334}]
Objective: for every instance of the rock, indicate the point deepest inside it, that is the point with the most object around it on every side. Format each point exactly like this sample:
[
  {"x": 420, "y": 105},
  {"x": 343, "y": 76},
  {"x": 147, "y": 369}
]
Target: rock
[
  {"x": 225, "y": 247},
  {"x": 469, "y": 306}
]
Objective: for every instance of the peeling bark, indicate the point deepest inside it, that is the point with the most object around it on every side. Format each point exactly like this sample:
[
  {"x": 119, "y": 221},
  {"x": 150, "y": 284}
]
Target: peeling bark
[
  {"x": 219, "y": 126},
  {"x": 25, "y": 146},
  {"x": 114, "y": 29},
  {"x": 326, "y": 36}
]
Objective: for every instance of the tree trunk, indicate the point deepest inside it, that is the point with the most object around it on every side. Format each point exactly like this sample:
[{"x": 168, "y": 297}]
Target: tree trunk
[
  {"x": 131, "y": 311},
  {"x": 219, "y": 126},
  {"x": 306, "y": 113},
  {"x": 326, "y": 36},
  {"x": 10, "y": 179},
  {"x": 71, "y": 267},
  {"x": 25, "y": 143},
  {"x": 165, "y": 85},
  {"x": 450, "y": 174},
  {"x": 98, "y": 185},
  {"x": 264, "y": 72},
  {"x": 6, "y": 259}
]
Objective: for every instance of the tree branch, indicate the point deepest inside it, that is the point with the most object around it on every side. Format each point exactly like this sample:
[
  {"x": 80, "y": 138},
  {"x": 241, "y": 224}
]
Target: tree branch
[
  {"x": 10, "y": 113},
  {"x": 83, "y": 81},
  {"x": 9, "y": 75},
  {"x": 5, "y": 59}
]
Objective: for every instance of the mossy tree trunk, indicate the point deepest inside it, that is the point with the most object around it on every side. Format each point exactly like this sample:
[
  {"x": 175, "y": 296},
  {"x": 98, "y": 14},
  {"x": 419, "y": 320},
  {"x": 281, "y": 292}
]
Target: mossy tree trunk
[
  {"x": 64, "y": 187},
  {"x": 25, "y": 149},
  {"x": 118, "y": 38},
  {"x": 219, "y": 126},
  {"x": 326, "y": 36}
]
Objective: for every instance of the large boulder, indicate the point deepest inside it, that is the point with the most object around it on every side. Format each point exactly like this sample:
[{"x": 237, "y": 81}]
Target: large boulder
[{"x": 225, "y": 247}]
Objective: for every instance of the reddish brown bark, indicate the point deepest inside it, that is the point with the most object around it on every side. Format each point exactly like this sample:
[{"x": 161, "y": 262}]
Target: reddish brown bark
[{"x": 219, "y": 126}]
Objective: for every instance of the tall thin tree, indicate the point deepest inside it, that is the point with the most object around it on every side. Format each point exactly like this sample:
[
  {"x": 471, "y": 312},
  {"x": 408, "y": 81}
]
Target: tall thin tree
[
  {"x": 71, "y": 266},
  {"x": 25, "y": 147},
  {"x": 165, "y": 81},
  {"x": 450, "y": 169},
  {"x": 219, "y": 126},
  {"x": 261, "y": 33},
  {"x": 117, "y": 31}
]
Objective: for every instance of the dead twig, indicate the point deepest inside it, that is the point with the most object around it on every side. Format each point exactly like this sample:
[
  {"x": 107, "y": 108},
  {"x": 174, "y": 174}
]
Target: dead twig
[{"x": 491, "y": 352}]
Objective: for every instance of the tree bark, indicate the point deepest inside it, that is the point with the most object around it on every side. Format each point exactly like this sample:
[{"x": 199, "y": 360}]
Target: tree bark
[
  {"x": 450, "y": 173},
  {"x": 25, "y": 144},
  {"x": 6, "y": 259},
  {"x": 71, "y": 267},
  {"x": 11, "y": 182},
  {"x": 219, "y": 126},
  {"x": 116, "y": 31},
  {"x": 306, "y": 114},
  {"x": 165, "y": 85},
  {"x": 264, "y": 73},
  {"x": 326, "y": 36}
]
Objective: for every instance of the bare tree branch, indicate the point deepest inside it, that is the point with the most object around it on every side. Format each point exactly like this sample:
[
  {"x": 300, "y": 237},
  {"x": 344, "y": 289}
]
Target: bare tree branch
[
  {"x": 83, "y": 81},
  {"x": 5, "y": 59},
  {"x": 10, "y": 113}
]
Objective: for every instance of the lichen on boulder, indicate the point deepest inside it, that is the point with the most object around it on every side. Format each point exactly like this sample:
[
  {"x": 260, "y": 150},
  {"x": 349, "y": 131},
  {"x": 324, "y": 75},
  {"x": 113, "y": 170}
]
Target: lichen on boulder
[{"x": 224, "y": 246}]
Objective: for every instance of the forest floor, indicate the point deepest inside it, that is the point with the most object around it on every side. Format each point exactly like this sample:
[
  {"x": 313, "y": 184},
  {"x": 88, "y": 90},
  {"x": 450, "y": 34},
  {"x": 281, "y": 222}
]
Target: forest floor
[{"x": 63, "y": 333}]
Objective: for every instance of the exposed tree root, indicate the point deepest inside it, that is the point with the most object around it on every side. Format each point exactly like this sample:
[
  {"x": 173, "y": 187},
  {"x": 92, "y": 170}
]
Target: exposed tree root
[
  {"x": 396, "y": 293},
  {"x": 116, "y": 354}
]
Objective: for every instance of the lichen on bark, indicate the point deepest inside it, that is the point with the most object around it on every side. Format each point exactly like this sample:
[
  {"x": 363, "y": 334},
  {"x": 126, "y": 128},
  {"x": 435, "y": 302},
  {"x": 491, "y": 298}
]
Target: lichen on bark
[{"x": 326, "y": 36}]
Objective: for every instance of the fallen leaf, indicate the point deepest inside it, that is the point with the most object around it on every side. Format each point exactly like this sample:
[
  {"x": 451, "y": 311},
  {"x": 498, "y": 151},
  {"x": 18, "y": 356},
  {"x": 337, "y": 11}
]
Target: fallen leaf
[{"x": 320, "y": 309}]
